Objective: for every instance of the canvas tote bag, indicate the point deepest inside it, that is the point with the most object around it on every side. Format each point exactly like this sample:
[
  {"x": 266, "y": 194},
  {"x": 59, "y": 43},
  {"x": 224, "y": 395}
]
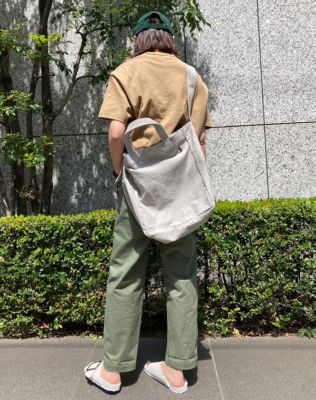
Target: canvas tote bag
[{"x": 166, "y": 185}]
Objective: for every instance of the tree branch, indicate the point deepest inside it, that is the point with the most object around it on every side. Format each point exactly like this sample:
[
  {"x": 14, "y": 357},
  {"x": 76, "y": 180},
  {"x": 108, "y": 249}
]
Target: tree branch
[
  {"x": 44, "y": 7},
  {"x": 3, "y": 196},
  {"x": 74, "y": 75},
  {"x": 15, "y": 202},
  {"x": 32, "y": 90},
  {"x": 86, "y": 76},
  {"x": 48, "y": 112}
]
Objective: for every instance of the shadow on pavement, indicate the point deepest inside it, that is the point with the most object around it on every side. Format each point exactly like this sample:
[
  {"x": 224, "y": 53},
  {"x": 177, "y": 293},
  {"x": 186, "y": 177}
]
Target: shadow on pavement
[{"x": 154, "y": 350}]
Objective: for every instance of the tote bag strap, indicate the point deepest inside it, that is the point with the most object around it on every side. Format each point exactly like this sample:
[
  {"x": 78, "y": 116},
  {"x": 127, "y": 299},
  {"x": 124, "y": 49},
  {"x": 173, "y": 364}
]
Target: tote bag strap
[
  {"x": 138, "y": 123},
  {"x": 191, "y": 77}
]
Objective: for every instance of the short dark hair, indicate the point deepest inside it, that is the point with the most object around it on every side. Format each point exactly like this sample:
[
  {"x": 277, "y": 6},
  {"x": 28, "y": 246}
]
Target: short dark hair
[{"x": 154, "y": 39}]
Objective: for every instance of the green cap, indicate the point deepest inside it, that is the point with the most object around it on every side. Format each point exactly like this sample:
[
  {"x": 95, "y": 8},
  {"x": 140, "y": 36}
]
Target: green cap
[{"x": 143, "y": 23}]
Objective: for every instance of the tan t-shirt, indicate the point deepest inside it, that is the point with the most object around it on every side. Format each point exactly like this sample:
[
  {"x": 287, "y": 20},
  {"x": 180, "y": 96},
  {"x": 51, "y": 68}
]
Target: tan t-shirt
[{"x": 154, "y": 85}]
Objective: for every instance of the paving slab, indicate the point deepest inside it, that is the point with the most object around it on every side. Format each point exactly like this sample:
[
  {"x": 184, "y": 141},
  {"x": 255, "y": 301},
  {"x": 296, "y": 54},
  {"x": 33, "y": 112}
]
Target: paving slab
[
  {"x": 42, "y": 369},
  {"x": 265, "y": 368},
  {"x": 137, "y": 385},
  {"x": 52, "y": 369}
]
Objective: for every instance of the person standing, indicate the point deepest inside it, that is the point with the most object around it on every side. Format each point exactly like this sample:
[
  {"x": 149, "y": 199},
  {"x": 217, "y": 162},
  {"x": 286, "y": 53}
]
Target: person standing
[{"x": 152, "y": 84}]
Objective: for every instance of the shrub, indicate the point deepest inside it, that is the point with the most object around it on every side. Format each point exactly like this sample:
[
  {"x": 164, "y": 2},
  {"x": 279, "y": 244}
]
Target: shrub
[{"x": 256, "y": 271}]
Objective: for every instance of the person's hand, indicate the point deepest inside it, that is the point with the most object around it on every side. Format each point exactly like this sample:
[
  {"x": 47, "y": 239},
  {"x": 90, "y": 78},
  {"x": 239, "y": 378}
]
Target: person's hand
[{"x": 202, "y": 143}]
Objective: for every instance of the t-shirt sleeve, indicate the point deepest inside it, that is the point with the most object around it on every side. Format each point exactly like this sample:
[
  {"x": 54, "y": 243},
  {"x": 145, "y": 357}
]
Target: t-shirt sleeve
[
  {"x": 200, "y": 115},
  {"x": 116, "y": 104}
]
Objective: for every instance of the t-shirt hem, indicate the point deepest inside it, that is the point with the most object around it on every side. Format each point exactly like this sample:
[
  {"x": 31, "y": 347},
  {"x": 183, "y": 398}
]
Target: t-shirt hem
[
  {"x": 208, "y": 126},
  {"x": 112, "y": 117}
]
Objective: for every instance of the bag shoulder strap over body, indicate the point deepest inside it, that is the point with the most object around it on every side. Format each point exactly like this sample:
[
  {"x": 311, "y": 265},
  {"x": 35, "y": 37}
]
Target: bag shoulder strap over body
[{"x": 191, "y": 78}]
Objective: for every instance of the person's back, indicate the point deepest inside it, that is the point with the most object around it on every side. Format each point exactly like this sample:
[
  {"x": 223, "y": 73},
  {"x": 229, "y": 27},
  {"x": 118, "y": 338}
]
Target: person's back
[{"x": 154, "y": 85}]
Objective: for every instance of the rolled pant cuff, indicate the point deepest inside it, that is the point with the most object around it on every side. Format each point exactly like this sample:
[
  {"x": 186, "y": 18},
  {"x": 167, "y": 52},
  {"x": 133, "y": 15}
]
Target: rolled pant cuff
[
  {"x": 125, "y": 366},
  {"x": 181, "y": 364}
]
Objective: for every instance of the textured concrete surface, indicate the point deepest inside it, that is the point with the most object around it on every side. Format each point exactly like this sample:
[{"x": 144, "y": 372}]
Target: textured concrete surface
[
  {"x": 288, "y": 35},
  {"x": 266, "y": 368},
  {"x": 227, "y": 57},
  {"x": 291, "y": 154},
  {"x": 83, "y": 174},
  {"x": 236, "y": 161},
  {"x": 228, "y": 369}
]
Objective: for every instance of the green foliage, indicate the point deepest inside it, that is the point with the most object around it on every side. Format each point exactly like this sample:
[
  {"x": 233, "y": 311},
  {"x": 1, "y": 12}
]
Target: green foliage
[
  {"x": 307, "y": 332},
  {"x": 16, "y": 101},
  {"x": 12, "y": 39},
  {"x": 111, "y": 22},
  {"x": 262, "y": 264},
  {"x": 43, "y": 40},
  {"x": 17, "y": 147},
  {"x": 107, "y": 22},
  {"x": 22, "y": 43},
  {"x": 103, "y": 16},
  {"x": 256, "y": 271},
  {"x": 191, "y": 15},
  {"x": 53, "y": 271}
]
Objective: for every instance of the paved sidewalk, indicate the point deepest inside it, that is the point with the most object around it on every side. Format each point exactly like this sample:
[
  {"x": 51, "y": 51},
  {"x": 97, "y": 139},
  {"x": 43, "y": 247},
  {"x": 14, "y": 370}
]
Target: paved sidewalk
[{"x": 245, "y": 368}]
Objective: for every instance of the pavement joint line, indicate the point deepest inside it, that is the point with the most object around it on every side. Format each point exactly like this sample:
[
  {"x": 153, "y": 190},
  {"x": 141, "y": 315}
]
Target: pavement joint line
[
  {"x": 79, "y": 377},
  {"x": 215, "y": 368}
]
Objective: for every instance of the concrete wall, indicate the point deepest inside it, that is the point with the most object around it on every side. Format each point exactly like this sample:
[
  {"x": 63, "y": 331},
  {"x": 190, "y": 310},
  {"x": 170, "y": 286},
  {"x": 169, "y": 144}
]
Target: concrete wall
[{"x": 258, "y": 60}]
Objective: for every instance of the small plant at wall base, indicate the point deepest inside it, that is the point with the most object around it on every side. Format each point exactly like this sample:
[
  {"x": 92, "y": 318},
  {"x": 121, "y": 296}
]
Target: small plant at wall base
[{"x": 103, "y": 22}]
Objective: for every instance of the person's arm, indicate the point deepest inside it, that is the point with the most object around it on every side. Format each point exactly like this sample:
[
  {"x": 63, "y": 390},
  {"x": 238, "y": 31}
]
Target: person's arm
[
  {"x": 116, "y": 144},
  {"x": 202, "y": 143}
]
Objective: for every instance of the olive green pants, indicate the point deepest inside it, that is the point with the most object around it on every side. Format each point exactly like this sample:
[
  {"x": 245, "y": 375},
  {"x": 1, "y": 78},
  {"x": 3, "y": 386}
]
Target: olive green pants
[{"x": 125, "y": 289}]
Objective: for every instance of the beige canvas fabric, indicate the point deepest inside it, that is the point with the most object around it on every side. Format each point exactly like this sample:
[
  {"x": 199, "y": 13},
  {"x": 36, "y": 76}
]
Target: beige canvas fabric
[{"x": 159, "y": 76}]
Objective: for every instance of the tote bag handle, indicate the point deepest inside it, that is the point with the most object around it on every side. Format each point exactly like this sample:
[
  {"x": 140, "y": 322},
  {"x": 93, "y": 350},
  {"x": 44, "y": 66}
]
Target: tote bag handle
[{"x": 138, "y": 123}]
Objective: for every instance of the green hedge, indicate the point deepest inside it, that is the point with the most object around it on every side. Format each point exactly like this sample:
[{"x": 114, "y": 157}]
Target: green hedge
[{"x": 256, "y": 271}]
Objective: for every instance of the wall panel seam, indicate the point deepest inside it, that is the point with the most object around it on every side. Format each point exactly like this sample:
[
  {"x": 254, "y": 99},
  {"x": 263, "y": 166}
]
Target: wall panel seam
[{"x": 262, "y": 97}]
